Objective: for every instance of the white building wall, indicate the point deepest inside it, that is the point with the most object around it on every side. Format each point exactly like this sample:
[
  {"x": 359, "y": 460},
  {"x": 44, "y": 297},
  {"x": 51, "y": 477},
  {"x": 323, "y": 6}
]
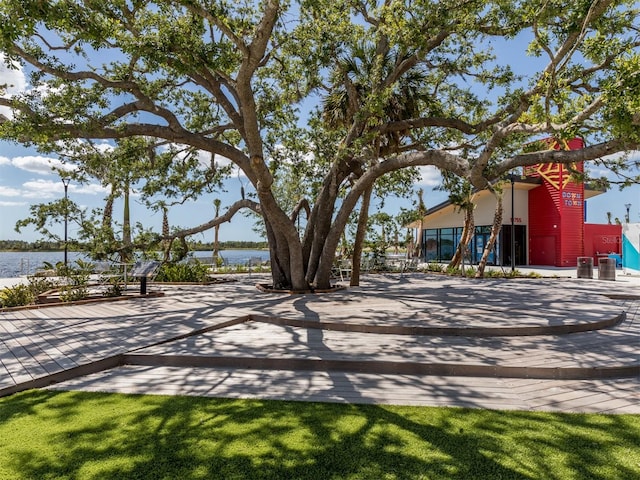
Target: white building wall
[{"x": 484, "y": 211}]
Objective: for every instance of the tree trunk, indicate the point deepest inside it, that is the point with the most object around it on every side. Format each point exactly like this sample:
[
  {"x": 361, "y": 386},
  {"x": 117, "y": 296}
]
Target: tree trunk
[
  {"x": 363, "y": 219},
  {"x": 465, "y": 238},
  {"x": 495, "y": 230},
  {"x": 288, "y": 265},
  {"x": 107, "y": 215},
  {"x": 216, "y": 243},
  {"x": 279, "y": 256},
  {"x": 125, "y": 256},
  {"x": 319, "y": 225},
  {"x": 417, "y": 249},
  {"x": 166, "y": 244},
  {"x": 107, "y": 242}
]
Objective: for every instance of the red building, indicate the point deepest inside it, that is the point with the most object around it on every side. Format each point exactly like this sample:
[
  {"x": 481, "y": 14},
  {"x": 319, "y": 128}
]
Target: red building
[{"x": 544, "y": 210}]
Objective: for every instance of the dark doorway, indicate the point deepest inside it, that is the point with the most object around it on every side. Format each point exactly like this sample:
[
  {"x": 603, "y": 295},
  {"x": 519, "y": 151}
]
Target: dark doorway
[{"x": 520, "y": 244}]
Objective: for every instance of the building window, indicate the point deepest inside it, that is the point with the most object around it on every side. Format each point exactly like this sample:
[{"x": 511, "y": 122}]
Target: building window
[
  {"x": 446, "y": 246},
  {"x": 430, "y": 244},
  {"x": 439, "y": 244}
]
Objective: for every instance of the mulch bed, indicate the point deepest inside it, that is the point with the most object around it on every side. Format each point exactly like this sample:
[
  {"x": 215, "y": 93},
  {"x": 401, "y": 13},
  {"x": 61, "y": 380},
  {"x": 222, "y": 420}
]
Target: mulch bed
[{"x": 268, "y": 288}]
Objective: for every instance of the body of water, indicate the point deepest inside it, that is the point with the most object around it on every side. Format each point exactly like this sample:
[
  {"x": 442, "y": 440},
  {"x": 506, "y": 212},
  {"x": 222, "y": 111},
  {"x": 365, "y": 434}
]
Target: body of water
[{"x": 16, "y": 264}]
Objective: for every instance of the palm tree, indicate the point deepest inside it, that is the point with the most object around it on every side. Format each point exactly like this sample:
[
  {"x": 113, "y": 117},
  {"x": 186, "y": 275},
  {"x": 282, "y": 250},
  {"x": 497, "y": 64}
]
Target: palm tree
[
  {"x": 422, "y": 211},
  {"x": 166, "y": 243},
  {"x": 362, "y": 82}
]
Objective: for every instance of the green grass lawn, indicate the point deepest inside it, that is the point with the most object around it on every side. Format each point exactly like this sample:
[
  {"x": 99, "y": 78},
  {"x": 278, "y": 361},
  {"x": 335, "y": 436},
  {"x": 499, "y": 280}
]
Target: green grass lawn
[{"x": 72, "y": 435}]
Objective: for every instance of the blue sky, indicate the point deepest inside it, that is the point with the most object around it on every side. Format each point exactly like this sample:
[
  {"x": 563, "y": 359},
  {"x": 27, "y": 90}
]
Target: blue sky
[{"x": 26, "y": 178}]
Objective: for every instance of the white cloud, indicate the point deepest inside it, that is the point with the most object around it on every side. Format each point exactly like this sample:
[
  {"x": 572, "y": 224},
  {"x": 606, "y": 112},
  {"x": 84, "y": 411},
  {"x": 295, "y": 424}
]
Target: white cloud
[
  {"x": 633, "y": 155},
  {"x": 430, "y": 176},
  {"x": 204, "y": 157},
  {"x": 13, "y": 80},
  {"x": 103, "y": 147},
  {"x": 49, "y": 189},
  {"x": 34, "y": 164},
  {"x": 12, "y": 204},
  {"x": 9, "y": 191},
  {"x": 72, "y": 148},
  {"x": 4, "y": 161},
  {"x": 597, "y": 171},
  {"x": 40, "y": 165},
  {"x": 42, "y": 189},
  {"x": 90, "y": 189}
]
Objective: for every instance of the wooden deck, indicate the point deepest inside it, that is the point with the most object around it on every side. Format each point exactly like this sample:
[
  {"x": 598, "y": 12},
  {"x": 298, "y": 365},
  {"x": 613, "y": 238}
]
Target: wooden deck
[{"x": 556, "y": 344}]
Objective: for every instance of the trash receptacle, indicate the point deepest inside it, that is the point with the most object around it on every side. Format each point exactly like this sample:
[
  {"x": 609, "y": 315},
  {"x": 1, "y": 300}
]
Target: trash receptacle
[
  {"x": 585, "y": 267},
  {"x": 606, "y": 269}
]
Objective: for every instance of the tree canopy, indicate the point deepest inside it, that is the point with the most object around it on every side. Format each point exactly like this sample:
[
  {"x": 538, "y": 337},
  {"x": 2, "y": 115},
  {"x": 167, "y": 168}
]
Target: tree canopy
[{"x": 460, "y": 85}]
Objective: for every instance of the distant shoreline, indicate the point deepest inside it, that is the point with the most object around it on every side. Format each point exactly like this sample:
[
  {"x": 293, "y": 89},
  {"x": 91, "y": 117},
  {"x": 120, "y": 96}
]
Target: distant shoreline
[
  {"x": 18, "y": 263},
  {"x": 19, "y": 246}
]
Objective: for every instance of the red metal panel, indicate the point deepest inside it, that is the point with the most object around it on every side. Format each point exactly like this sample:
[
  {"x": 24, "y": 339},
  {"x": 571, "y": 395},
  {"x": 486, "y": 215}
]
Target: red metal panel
[
  {"x": 601, "y": 239},
  {"x": 543, "y": 249},
  {"x": 571, "y": 196},
  {"x": 544, "y": 225},
  {"x": 556, "y": 212}
]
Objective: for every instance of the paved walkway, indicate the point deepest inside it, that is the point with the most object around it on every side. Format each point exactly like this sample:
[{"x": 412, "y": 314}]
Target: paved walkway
[{"x": 415, "y": 339}]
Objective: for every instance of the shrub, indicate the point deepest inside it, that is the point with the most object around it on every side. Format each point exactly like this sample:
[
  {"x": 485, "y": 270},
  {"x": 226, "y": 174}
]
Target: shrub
[
  {"x": 40, "y": 285},
  {"x": 434, "y": 267},
  {"x": 495, "y": 274},
  {"x": 114, "y": 288},
  {"x": 17, "y": 296},
  {"x": 77, "y": 284},
  {"x": 183, "y": 272},
  {"x": 470, "y": 272},
  {"x": 26, "y": 294},
  {"x": 72, "y": 293}
]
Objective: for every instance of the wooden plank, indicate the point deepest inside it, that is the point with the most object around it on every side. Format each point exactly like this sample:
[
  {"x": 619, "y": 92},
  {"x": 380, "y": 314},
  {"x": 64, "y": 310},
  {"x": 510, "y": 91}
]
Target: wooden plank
[{"x": 18, "y": 361}]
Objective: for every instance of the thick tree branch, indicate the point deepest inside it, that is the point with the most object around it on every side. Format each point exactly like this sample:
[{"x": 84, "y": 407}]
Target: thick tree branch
[
  {"x": 303, "y": 204},
  {"x": 586, "y": 154},
  {"x": 227, "y": 216},
  {"x": 426, "y": 122}
]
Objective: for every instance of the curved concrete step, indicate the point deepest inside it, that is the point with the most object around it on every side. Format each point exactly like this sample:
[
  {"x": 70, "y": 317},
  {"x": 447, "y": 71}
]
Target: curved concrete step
[
  {"x": 456, "y": 331},
  {"x": 383, "y": 367},
  {"x": 285, "y": 344}
]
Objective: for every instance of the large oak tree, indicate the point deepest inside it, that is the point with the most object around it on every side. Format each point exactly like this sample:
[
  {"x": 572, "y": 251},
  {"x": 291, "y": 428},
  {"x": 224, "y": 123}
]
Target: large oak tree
[{"x": 236, "y": 78}]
